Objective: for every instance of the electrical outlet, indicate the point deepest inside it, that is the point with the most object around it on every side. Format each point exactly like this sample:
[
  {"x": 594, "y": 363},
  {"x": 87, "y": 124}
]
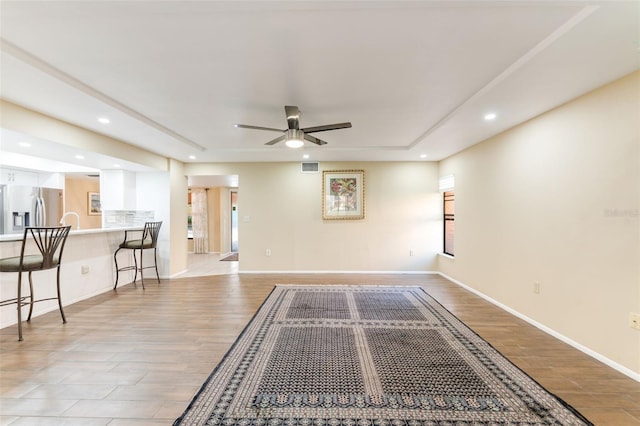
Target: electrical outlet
[
  {"x": 536, "y": 287},
  {"x": 267, "y": 252},
  {"x": 84, "y": 269},
  {"x": 410, "y": 252},
  {"x": 634, "y": 320}
]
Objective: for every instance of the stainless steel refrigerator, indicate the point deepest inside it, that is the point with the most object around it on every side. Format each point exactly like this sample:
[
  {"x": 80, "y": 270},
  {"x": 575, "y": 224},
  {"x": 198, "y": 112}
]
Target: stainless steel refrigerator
[{"x": 25, "y": 206}]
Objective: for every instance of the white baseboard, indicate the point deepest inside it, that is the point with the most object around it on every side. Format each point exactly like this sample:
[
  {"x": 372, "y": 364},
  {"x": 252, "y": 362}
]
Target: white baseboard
[
  {"x": 342, "y": 272},
  {"x": 603, "y": 359}
]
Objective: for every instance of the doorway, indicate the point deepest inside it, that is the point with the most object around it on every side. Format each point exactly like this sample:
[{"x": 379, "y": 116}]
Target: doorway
[
  {"x": 222, "y": 226},
  {"x": 234, "y": 221}
]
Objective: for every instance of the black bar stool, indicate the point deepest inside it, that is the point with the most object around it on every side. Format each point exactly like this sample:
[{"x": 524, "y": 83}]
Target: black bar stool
[
  {"x": 50, "y": 242},
  {"x": 149, "y": 240}
]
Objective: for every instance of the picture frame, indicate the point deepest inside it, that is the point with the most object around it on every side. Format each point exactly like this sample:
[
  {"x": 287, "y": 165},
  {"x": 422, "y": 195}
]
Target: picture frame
[
  {"x": 343, "y": 194},
  {"x": 93, "y": 204}
]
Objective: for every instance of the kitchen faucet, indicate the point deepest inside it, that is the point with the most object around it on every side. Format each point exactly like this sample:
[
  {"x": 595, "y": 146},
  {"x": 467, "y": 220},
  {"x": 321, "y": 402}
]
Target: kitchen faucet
[{"x": 63, "y": 222}]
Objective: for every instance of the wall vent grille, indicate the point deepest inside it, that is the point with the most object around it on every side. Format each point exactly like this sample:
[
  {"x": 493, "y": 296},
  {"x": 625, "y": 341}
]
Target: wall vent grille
[{"x": 309, "y": 167}]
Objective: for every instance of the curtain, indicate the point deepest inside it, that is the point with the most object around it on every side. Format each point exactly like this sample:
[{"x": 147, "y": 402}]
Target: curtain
[{"x": 200, "y": 220}]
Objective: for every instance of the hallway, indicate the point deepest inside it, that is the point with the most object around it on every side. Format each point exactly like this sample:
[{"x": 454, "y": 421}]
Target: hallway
[{"x": 200, "y": 265}]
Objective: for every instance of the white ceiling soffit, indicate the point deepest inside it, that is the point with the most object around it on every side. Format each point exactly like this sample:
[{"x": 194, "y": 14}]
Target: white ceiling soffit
[
  {"x": 27, "y": 152},
  {"x": 213, "y": 181},
  {"x": 412, "y": 77}
]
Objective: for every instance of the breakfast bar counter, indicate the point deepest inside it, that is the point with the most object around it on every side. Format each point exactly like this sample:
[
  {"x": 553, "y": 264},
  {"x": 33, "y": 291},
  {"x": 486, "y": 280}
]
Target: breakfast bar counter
[
  {"x": 18, "y": 236},
  {"x": 87, "y": 269}
]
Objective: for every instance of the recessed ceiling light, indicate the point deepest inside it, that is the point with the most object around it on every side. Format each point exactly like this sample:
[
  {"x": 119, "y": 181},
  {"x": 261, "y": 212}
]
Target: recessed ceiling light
[
  {"x": 423, "y": 155},
  {"x": 80, "y": 157},
  {"x": 117, "y": 166},
  {"x": 192, "y": 157},
  {"x": 104, "y": 120},
  {"x": 305, "y": 156},
  {"x": 490, "y": 116},
  {"x": 24, "y": 144}
]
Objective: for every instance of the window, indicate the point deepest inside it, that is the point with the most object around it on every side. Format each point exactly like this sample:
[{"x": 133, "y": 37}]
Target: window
[{"x": 448, "y": 220}]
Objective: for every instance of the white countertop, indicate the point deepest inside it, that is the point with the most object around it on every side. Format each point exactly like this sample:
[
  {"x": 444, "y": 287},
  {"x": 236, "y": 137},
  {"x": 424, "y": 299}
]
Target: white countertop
[{"x": 18, "y": 236}]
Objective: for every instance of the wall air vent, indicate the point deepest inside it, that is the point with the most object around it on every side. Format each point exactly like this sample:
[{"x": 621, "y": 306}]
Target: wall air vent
[{"x": 308, "y": 167}]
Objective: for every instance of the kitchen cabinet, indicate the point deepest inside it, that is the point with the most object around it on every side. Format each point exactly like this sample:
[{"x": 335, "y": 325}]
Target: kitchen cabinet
[
  {"x": 117, "y": 190},
  {"x": 31, "y": 178},
  {"x": 51, "y": 180},
  {"x": 18, "y": 177}
]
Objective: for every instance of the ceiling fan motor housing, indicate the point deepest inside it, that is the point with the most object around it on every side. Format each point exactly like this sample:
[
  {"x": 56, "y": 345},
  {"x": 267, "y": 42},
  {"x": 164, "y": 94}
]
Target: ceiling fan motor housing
[{"x": 295, "y": 134}]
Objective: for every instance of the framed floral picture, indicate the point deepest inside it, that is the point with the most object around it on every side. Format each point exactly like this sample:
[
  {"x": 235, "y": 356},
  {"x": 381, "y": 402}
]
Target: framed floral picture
[{"x": 343, "y": 194}]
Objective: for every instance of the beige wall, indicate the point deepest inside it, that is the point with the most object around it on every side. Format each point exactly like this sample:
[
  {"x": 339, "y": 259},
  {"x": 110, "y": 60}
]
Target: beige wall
[
  {"x": 555, "y": 201},
  {"x": 75, "y": 200},
  {"x": 213, "y": 206},
  {"x": 224, "y": 200},
  {"x": 280, "y": 209},
  {"x": 177, "y": 221}
]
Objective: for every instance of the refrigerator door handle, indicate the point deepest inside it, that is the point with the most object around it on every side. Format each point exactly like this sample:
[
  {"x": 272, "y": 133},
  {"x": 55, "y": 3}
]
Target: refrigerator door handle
[
  {"x": 41, "y": 212},
  {"x": 36, "y": 211}
]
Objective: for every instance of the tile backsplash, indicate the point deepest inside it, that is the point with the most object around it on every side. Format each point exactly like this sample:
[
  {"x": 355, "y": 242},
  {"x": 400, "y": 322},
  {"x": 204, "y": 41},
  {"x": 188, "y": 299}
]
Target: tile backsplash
[{"x": 126, "y": 218}]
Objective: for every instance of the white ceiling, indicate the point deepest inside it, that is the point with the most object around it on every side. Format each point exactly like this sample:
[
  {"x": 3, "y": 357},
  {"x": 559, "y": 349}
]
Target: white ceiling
[{"x": 413, "y": 77}]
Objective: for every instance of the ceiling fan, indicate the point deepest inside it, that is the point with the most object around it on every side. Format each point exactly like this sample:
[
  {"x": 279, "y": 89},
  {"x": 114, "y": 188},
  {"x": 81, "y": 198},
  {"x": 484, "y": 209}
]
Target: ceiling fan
[{"x": 294, "y": 136}]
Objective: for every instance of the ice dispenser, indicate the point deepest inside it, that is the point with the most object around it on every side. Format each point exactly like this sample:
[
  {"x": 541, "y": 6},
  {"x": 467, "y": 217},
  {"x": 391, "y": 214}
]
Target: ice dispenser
[{"x": 20, "y": 220}]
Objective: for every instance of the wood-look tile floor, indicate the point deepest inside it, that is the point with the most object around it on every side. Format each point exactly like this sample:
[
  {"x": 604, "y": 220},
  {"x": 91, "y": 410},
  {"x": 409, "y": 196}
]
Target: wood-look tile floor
[{"x": 136, "y": 357}]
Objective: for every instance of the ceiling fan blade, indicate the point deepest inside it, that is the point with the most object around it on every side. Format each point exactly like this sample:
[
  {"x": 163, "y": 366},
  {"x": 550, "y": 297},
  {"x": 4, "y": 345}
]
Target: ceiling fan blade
[
  {"x": 327, "y": 127},
  {"x": 246, "y": 126},
  {"x": 293, "y": 116},
  {"x": 276, "y": 140},
  {"x": 314, "y": 140}
]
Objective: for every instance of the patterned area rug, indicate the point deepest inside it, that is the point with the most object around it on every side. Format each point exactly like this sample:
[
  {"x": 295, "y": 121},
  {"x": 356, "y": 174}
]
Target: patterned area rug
[{"x": 367, "y": 356}]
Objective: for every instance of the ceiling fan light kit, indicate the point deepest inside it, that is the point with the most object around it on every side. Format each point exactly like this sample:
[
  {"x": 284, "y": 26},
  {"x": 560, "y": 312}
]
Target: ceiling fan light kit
[
  {"x": 294, "y": 143},
  {"x": 294, "y": 136}
]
